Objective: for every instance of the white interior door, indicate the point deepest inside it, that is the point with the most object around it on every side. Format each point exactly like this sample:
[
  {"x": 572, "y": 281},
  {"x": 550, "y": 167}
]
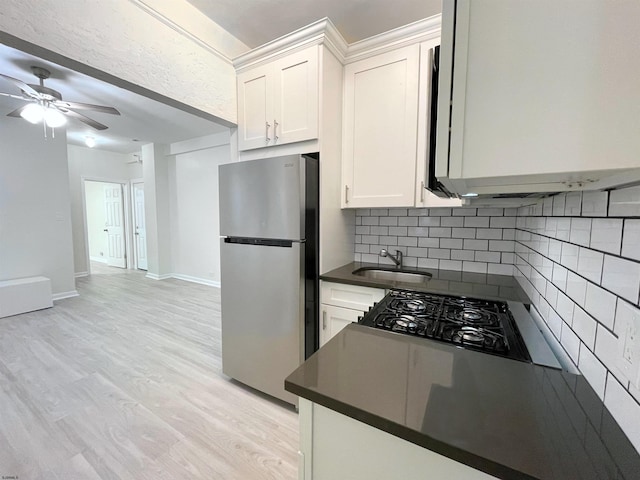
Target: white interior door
[
  {"x": 114, "y": 225},
  {"x": 139, "y": 226}
]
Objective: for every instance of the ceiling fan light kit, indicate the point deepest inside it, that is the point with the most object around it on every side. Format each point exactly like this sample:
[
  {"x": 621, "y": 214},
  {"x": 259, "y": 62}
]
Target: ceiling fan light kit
[
  {"x": 90, "y": 142},
  {"x": 47, "y": 104}
]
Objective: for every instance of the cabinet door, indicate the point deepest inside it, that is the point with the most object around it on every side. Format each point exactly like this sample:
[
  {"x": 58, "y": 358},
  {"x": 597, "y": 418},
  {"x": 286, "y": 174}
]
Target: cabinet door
[
  {"x": 333, "y": 319},
  {"x": 355, "y": 297},
  {"x": 295, "y": 115},
  {"x": 541, "y": 100},
  {"x": 255, "y": 104},
  {"x": 380, "y": 129}
]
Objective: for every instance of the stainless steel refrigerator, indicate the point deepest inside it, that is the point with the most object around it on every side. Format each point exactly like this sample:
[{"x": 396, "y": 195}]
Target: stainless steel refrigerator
[{"x": 269, "y": 269}]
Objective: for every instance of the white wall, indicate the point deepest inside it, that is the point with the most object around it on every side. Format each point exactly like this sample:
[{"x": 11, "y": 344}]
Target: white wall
[
  {"x": 194, "y": 213},
  {"x": 35, "y": 211},
  {"x": 96, "y": 220},
  {"x": 96, "y": 165},
  {"x": 137, "y": 42}
]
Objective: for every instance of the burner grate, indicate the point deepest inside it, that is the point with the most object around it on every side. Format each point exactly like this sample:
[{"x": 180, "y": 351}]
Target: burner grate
[{"x": 468, "y": 322}]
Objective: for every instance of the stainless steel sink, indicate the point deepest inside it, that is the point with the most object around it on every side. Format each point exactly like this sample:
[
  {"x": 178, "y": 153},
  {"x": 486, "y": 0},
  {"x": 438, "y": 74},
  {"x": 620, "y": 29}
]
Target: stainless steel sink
[{"x": 393, "y": 274}]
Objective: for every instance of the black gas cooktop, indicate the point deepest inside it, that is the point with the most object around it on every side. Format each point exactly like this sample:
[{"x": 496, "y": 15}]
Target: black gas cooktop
[{"x": 472, "y": 323}]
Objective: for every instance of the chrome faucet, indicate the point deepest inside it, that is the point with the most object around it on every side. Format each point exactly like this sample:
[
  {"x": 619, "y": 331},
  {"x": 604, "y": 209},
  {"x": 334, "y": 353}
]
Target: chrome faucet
[{"x": 397, "y": 259}]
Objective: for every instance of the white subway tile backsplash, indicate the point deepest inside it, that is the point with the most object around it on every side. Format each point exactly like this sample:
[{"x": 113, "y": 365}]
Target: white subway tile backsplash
[
  {"x": 547, "y": 206},
  {"x": 399, "y": 231},
  {"x": 580, "y": 231},
  {"x": 576, "y": 288},
  {"x": 607, "y": 350},
  {"x": 594, "y": 204},
  {"x": 564, "y": 307},
  {"x": 379, "y": 212},
  {"x": 509, "y": 234},
  {"x": 388, "y": 240},
  {"x": 418, "y": 231},
  {"x": 511, "y": 212},
  {"x": 428, "y": 262},
  {"x": 439, "y": 232},
  {"x": 442, "y": 253},
  {"x": 451, "y": 265},
  {"x": 606, "y": 234},
  {"x": 429, "y": 242},
  {"x": 398, "y": 212},
  {"x": 465, "y": 212},
  {"x": 624, "y": 409},
  {"x": 558, "y": 205},
  {"x": 573, "y": 204},
  {"x": 408, "y": 241},
  {"x": 585, "y": 327},
  {"x": 501, "y": 245},
  {"x": 476, "y": 244},
  {"x": 452, "y": 222},
  {"x": 631, "y": 239},
  {"x": 451, "y": 243},
  {"x": 417, "y": 252},
  {"x": 563, "y": 229},
  {"x": 407, "y": 221},
  {"x": 491, "y": 212},
  {"x": 479, "y": 222},
  {"x": 570, "y": 342},
  {"x": 363, "y": 230},
  {"x": 371, "y": 239},
  {"x": 590, "y": 264},
  {"x": 593, "y": 370},
  {"x": 559, "y": 276},
  {"x": 389, "y": 221},
  {"x": 601, "y": 304},
  {"x": 624, "y": 202},
  {"x": 555, "y": 324},
  {"x": 551, "y": 295},
  {"x": 500, "y": 269},
  {"x": 625, "y": 313},
  {"x": 379, "y": 230},
  {"x": 483, "y": 256},
  {"x": 463, "y": 232},
  {"x": 410, "y": 262},
  {"x": 440, "y": 212},
  {"x": 507, "y": 257},
  {"x": 417, "y": 212},
  {"x": 622, "y": 277},
  {"x": 462, "y": 255},
  {"x": 555, "y": 250},
  {"x": 477, "y": 267},
  {"x": 429, "y": 221},
  {"x": 503, "y": 222},
  {"x": 569, "y": 256}
]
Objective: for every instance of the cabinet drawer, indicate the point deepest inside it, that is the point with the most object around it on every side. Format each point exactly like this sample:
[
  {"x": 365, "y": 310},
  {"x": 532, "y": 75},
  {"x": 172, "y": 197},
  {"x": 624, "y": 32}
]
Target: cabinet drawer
[{"x": 350, "y": 296}]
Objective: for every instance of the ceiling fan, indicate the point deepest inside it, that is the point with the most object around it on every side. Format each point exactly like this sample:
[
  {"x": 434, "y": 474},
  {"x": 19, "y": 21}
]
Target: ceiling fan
[{"x": 47, "y": 104}]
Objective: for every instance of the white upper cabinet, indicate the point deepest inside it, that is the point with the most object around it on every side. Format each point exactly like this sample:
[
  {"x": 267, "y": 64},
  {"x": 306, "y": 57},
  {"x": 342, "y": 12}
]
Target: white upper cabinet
[
  {"x": 380, "y": 127},
  {"x": 545, "y": 95},
  {"x": 278, "y": 101}
]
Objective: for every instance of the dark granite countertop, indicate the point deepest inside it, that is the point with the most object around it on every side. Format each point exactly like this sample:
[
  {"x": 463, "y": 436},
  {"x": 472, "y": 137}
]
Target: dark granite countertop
[
  {"x": 510, "y": 419},
  {"x": 448, "y": 282}
]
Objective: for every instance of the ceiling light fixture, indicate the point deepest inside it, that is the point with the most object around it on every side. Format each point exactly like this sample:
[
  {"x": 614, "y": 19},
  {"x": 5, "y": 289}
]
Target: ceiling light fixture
[
  {"x": 90, "y": 142},
  {"x": 33, "y": 113},
  {"x": 54, "y": 118},
  {"x": 469, "y": 195}
]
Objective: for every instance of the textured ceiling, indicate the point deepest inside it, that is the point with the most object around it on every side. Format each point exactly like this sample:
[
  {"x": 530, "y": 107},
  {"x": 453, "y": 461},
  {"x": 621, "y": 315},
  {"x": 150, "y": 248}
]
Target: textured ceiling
[
  {"x": 256, "y": 22},
  {"x": 141, "y": 118}
]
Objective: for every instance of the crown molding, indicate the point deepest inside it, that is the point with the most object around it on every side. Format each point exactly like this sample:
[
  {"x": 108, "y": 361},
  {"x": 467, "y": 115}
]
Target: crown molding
[
  {"x": 322, "y": 31},
  {"x": 426, "y": 29},
  {"x": 177, "y": 28}
]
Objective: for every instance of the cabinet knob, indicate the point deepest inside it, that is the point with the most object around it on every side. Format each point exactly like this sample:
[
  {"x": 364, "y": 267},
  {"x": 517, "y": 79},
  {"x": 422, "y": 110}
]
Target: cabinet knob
[{"x": 266, "y": 135}]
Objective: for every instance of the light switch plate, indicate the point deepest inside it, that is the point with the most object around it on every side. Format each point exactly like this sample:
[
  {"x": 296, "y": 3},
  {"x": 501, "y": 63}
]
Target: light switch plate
[{"x": 629, "y": 348}]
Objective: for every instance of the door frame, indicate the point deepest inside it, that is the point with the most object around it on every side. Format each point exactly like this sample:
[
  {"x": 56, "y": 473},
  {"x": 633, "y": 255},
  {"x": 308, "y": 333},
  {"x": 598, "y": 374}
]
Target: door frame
[
  {"x": 126, "y": 193},
  {"x": 134, "y": 250}
]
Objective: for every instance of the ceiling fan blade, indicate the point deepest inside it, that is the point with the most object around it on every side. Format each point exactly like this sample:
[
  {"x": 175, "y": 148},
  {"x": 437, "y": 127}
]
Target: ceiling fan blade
[
  {"x": 22, "y": 86},
  {"x": 84, "y": 119},
  {"x": 17, "y": 111},
  {"x": 18, "y": 97},
  {"x": 86, "y": 106}
]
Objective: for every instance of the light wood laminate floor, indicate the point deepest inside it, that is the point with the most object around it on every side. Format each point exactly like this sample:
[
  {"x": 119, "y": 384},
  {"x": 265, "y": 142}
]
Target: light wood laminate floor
[{"x": 125, "y": 382}]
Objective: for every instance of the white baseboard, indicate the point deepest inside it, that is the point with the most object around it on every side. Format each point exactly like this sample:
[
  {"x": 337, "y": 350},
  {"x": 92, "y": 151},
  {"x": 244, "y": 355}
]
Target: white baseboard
[
  {"x": 99, "y": 259},
  {"x": 154, "y": 276},
  {"x": 61, "y": 295},
  {"x": 202, "y": 281},
  {"x": 81, "y": 274}
]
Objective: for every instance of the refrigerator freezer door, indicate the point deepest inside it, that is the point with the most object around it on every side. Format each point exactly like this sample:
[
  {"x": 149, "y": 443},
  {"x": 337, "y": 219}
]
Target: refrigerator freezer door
[
  {"x": 263, "y": 198},
  {"x": 262, "y": 315}
]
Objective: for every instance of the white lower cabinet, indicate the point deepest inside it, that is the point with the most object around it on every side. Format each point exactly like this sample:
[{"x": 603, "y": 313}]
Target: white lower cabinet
[
  {"x": 342, "y": 304},
  {"x": 327, "y": 452}
]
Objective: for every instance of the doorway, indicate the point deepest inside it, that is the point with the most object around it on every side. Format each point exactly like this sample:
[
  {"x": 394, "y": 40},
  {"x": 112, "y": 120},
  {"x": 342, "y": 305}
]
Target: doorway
[{"x": 105, "y": 220}]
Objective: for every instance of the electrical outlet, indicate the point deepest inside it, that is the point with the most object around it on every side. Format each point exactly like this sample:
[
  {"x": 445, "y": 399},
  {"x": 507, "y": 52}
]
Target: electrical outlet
[{"x": 629, "y": 348}]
